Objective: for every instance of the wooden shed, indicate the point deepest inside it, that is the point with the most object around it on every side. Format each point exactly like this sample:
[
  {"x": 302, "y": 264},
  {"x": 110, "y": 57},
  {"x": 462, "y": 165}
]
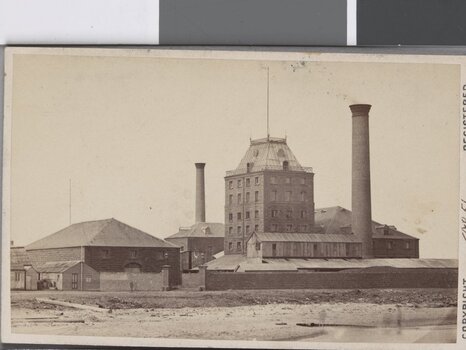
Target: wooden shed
[
  {"x": 22, "y": 275},
  {"x": 69, "y": 275},
  {"x": 303, "y": 245}
]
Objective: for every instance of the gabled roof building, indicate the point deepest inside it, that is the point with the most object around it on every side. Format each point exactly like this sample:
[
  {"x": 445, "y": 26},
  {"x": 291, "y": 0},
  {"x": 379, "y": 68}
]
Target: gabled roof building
[{"x": 107, "y": 246}]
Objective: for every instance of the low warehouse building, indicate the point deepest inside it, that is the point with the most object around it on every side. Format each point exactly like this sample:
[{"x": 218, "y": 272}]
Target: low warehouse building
[
  {"x": 302, "y": 245},
  {"x": 387, "y": 241},
  {"x": 69, "y": 275},
  {"x": 108, "y": 246},
  {"x": 22, "y": 275}
]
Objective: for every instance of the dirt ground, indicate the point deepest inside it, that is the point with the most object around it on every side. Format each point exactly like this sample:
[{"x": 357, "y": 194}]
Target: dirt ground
[{"x": 400, "y": 315}]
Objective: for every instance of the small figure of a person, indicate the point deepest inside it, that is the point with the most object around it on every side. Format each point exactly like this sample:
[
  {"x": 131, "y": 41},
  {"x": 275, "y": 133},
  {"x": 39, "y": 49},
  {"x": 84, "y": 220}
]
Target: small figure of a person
[{"x": 398, "y": 318}]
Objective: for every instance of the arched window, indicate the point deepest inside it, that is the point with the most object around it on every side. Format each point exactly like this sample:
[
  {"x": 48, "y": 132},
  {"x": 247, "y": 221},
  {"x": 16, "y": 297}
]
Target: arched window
[
  {"x": 285, "y": 165},
  {"x": 133, "y": 267}
]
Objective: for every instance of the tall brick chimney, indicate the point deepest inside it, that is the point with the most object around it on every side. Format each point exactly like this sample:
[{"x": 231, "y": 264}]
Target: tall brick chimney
[
  {"x": 200, "y": 192},
  {"x": 361, "y": 222}
]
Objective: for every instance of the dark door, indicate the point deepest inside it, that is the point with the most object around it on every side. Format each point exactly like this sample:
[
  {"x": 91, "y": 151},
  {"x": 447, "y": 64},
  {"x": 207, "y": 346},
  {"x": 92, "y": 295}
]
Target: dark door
[{"x": 74, "y": 281}]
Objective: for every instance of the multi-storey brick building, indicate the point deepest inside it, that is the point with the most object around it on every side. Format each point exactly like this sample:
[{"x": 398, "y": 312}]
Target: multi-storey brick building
[{"x": 269, "y": 191}]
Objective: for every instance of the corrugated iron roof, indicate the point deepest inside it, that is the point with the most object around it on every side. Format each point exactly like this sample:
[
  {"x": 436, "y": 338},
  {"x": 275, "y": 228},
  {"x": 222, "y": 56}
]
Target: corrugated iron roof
[
  {"x": 268, "y": 154},
  {"x": 57, "y": 266},
  {"x": 336, "y": 219},
  {"x": 109, "y": 232},
  {"x": 201, "y": 229},
  {"x": 305, "y": 237},
  {"x": 18, "y": 258},
  {"x": 244, "y": 264}
]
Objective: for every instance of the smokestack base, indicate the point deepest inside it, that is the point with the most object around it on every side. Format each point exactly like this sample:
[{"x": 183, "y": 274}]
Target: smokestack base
[{"x": 360, "y": 110}]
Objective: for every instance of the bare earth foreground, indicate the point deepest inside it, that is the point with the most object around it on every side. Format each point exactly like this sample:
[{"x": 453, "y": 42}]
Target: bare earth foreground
[{"x": 399, "y": 315}]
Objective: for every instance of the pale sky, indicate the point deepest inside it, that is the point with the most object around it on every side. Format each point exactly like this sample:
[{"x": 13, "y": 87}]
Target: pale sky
[{"x": 128, "y": 130}]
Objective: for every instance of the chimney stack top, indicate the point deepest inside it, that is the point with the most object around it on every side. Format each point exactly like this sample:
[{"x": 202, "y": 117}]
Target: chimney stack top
[
  {"x": 359, "y": 110},
  {"x": 200, "y": 165}
]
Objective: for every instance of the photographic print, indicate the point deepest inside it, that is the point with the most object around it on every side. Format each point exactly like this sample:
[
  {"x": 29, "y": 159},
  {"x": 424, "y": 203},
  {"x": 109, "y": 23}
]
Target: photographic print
[{"x": 232, "y": 198}]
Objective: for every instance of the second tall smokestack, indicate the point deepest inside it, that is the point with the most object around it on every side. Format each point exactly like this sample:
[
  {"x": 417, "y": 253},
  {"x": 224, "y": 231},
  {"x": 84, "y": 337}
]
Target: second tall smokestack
[
  {"x": 200, "y": 192},
  {"x": 361, "y": 222}
]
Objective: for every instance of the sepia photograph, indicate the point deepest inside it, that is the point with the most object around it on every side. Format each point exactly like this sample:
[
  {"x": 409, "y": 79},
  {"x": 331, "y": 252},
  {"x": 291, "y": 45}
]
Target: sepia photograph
[{"x": 280, "y": 199}]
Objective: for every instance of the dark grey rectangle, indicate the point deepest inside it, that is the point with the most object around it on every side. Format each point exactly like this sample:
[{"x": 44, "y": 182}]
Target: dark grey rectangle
[
  {"x": 411, "y": 22},
  {"x": 252, "y": 22}
]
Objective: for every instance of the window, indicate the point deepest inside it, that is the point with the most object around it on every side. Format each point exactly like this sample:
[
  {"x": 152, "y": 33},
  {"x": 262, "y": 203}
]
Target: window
[
  {"x": 249, "y": 167},
  {"x": 256, "y": 180},
  {"x": 18, "y": 276},
  {"x": 274, "y": 227},
  {"x": 238, "y": 216},
  {"x": 289, "y": 214},
  {"x": 240, "y": 183},
  {"x": 247, "y": 215},
  {"x": 239, "y": 198},
  {"x": 238, "y": 230},
  {"x": 287, "y": 196},
  {"x": 258, "y": 246},
  {"x": 230, "y": 217},
  {"x": 230, "y": 230},
  {"x": 230, "y": 246},
  {"x": 248, "y": 182},
  {"x": 238, "y": 246},
  {"x": 133, "y": 254},
  {"x": 247, "y": 197},
  {"x": 302, "y": 181},
  {"x": 105, "y": 253},
  {"x": 303, "y": 196},
  {"x": 247, "y": 228},
  {"x": 303, "y": 214},
  {"x": 273, "y": 196},
  {"x": 289, "y": 227},
  {"x": 287, "y": 180},
  {"x": 285, "y": 165},
  {"x": 274, "y": 213},
  {"x": 407, "y": 245},
  {"x": 74, "y": 281},
  {"x": 256, "y": 228},
  {"x": 273, "y": 180},
  {"x": 256, "y": 196},
  {"x": 88, "y": 278},
  {"x": 274, "y": 249},
  {"x": 389, "y": 245},
  {"x": 230, "y": 199},
  {"x": 230, "y": 185},
  {"x": 256, "y": 214}
]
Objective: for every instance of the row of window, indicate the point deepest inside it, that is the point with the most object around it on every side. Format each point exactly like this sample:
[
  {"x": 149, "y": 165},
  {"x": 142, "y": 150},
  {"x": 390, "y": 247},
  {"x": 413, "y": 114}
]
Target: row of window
[
  {"x": 231, "y": 246},
  {"x": 288, "y": 213},
  {"x": 273, "y": 180},
  {"x": 288, "y": 196},
  {"x": 133, "y": 254},
  {"x": 288, "y": 228},
  {"x": 239, "y": 182},
  {"x": 239, "y": 198},
  {"x": 239, "y": 229},
  {"x": 407, "y": 245},
  {"x": 247, "y": 215}
]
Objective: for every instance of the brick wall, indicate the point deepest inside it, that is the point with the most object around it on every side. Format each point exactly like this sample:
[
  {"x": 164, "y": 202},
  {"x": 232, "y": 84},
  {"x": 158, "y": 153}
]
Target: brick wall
[
  {"x": 348, "y": 279},
  {"x": 121, "y": 281},
  {"x": 150, "y": 259},
  {"x": 41, "y": 256}
]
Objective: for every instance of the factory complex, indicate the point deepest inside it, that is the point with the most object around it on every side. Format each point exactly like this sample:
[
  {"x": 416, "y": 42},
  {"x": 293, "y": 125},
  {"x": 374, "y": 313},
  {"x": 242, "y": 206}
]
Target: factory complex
[{"x": 273, "y": 236}]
